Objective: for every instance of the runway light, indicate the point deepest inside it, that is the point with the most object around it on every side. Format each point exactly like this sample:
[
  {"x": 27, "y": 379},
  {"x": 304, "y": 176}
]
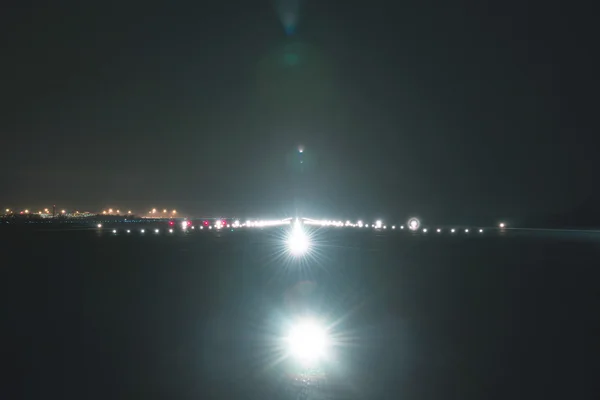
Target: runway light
[
  {"x": 143, "y": 231},
  {"x": 201, "y": 227},
  {"x": 439, "y": 230},
  {"x": 307, "y": 341},
  {"x": 114, "y": 231},
  {"x": 378, "y": 224},
  {"x": 170, "y": 230},
  {"x": 502, "y": 225},
  {"x": 384, "y": 227},
  {"x": 193, "y": 227},
  {"x": 414, "y": 224},
  {"x": 481, "y": 231},
  {"x": 466, "y": 231},
  {"x": 452, "y": 230},
  {"x": 156, "y": 231},
  {"x": 401, "y": 226},
  {"x": 424, "y": 230},
  {"x": 393, "y": 226},
  {"x": 128, "y": 231},
  {"x": 99, "y": 225}
]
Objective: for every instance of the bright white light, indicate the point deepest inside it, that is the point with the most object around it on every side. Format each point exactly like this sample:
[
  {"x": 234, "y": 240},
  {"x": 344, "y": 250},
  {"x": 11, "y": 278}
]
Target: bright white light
[
  {"x": 439, "y": 230},
  {"x": 466, "y": 231},
  {"x": 128, "y": 231},
  {"x": 114, "y": 231},
  {"x": 384, "y": 227},
  {"x": 143, "y": 230},
  {"x": 170, "y": 230},
  {"x": 452, "y": 230},
  {"x": 298, "y": 241},
  {"x": 360, "y": 224},
  {"x": 481, "y": 231},
  {"x": 307, "y": 341},
  {"x": 156, "y": 231},
  {"x": 393, "y": 226},
  {"x": 424, "y": 230},
  {"x": 401, "y": 226},
  {"x": 367, "y": 225},
  {"x": 201, "y": 227},
  {"x": 229, "y": 226},
  {"x": 210, "y": 227},
  {"x": 414, "y": 224},
  {"x": 193, "y": 227},
  {"x": 378, "y": 224},
  {"x": 99, "y": 225},
  {"x": 502, "y": 225}
]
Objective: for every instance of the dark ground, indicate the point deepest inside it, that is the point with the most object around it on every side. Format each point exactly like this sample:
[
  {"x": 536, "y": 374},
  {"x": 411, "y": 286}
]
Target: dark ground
[{"x": 99, "y": 316}]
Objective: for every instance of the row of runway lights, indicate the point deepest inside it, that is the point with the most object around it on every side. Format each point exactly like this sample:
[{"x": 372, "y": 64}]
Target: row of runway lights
[{"x": 424, "y": 230}]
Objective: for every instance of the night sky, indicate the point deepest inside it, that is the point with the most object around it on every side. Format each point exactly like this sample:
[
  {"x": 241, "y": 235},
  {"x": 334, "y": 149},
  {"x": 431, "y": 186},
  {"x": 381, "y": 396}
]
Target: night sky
[{"x": 437, "y": 109}]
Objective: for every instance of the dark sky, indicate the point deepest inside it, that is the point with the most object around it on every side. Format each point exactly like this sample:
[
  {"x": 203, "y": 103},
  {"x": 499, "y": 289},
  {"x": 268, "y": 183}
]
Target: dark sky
[{"x": 435, "y": 108}]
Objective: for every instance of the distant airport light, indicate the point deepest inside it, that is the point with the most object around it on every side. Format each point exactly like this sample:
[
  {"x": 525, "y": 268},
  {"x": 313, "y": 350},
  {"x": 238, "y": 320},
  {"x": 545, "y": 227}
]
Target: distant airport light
[
  {"x": 193, "y": 227},
  {"x": 502, "y": 225},
  {"x": 414, "y": 224},
  {"x": 439, "y": 230},
  {"x": 481, "y": 231},
  {"x": 165, "y": 210},
  {"x": 401, "y": 226},
  {"x": 128, "y": 231},
  {"x": 466, "y": 231},
  {"x": 174, "y": 211},
  {"x": 367, "y": 225},
  {"x": 114, "y": 231},
  {"x": 378, "y": 224},
  {"x": 129, "y": 212},
  {"x": 26, "y": 211},
  {"x": 452, "y": 230},
  {"x": 118, "y": 211},
  {"x": 201, "y": 227},
  {"x": 143, "y": 231},
  {"x": 384, "y": 227},
  {"x": 424, "y": 230},
  {"x": 184, "y": 225},
  {"x": 210, "y": 227},
  {"x": 393, "y": 226},
  {"x": 99, "y": 225},
  {"x": 154, "y": 211},
  {"x": 170, "y": 230},
  {"x": 110, "y": 210}
]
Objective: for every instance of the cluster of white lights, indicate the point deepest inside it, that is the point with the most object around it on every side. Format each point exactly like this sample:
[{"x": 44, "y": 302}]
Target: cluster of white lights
[{"x": 265, "y": 223}]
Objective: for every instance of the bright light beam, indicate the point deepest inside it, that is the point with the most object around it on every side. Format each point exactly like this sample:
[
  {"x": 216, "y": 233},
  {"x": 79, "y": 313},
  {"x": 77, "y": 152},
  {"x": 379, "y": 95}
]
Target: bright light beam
[
  {"x": 307, "y": 341},
  {"x": 298, "y": 241}
]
